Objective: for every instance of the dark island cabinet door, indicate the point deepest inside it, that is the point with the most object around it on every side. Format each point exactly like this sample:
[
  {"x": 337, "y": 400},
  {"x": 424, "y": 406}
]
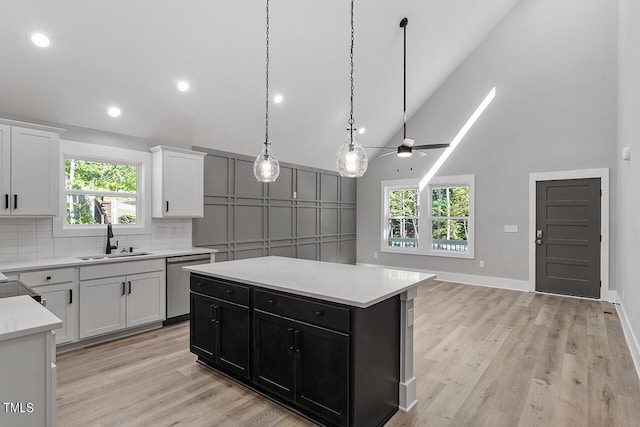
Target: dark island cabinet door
[
  {"x": 322, "y": 372},
  {"x": 232, "y": 337},
  {"x": 273, "y": 362},
  {"x": 202, "y": 327}
]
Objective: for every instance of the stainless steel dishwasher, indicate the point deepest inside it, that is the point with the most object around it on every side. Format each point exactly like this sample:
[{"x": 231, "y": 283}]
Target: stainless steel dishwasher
[{"x": 178, "y": 285}]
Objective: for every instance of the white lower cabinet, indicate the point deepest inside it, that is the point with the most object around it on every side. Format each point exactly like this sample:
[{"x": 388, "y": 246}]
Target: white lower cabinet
[
  {"x": 102, "y": 306},
  {"x": 111, "y": 304},
  {"x": 59, "y": 289},
  {"x": 62, "y": 300}
]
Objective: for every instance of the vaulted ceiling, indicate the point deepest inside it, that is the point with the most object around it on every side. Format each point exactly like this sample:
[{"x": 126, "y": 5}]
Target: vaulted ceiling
[{"x": 133, "y": 53}]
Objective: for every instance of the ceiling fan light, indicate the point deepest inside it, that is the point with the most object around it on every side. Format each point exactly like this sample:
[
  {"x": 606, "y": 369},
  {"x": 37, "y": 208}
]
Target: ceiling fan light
[{"x": 404, "y": 151}]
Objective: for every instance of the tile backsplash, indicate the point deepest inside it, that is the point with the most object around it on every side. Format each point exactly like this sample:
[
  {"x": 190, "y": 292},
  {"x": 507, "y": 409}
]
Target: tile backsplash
[{"x": 23, "y": 239}]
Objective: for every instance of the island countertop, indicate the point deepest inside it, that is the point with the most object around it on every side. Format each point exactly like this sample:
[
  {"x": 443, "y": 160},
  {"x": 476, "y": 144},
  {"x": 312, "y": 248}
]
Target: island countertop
[
  {"x": 352, "y": 285},
  {"x": 22, "y": 315}
]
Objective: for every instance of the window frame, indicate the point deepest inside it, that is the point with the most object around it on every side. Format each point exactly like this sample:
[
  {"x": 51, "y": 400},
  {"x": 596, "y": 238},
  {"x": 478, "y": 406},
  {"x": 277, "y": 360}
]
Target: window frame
[
  {"x": 400, "y": 184},
  {"x": 425, "y": 238},
  {"x": 451, "y": 181},
  {"x": 107, "y": 154}
]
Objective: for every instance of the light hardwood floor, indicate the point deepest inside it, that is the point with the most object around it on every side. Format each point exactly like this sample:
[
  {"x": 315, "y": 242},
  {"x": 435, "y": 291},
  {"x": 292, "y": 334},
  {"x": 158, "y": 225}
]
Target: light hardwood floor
[{"x": 483, "y": 357}]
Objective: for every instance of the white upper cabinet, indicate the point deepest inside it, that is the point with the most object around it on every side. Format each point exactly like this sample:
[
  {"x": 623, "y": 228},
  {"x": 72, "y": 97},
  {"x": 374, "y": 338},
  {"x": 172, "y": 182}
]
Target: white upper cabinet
[
  {"x": 178, "y": 183},
  {"x": 30, "y": 166}
]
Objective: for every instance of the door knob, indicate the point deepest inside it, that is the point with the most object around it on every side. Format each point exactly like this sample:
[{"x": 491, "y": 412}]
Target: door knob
[{"x": 539, "y": 242}]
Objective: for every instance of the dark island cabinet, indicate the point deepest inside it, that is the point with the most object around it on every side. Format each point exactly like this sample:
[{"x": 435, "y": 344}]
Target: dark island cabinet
[
  {"x": 335, "y": 364},
  {"x": 220, "y": 328},
  {"x": 304, "y": 364}
]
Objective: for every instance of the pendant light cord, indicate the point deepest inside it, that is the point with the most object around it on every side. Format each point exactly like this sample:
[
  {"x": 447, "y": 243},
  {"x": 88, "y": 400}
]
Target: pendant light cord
[
  {"x": 403, "y": 24},
  {"x": 266, "y": 100},
  {"x": 351, "y": 121}
]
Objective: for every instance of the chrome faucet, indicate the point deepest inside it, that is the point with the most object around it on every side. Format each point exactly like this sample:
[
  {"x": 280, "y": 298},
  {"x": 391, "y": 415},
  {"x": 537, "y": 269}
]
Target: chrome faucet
[{"x": 110, "y": 236}]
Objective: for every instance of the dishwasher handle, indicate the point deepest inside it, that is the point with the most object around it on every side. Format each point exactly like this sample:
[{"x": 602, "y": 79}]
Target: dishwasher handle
[{"x": 189, "y": 258}]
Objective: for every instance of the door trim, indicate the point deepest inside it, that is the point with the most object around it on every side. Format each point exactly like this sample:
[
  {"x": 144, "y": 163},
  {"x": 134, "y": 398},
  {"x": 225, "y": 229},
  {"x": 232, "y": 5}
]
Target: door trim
[{"x": 603, "y": 174}]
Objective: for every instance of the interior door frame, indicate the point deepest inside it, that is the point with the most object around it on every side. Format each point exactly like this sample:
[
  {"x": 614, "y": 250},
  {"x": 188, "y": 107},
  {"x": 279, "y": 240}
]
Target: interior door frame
[{"x": 603, "y": 174}]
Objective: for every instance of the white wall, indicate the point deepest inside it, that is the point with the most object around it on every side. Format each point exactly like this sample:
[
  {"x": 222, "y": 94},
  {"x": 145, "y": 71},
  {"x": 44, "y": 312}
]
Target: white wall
[
  {"x": 554, "y": 66},
  {"x": 628, "y": 284}
]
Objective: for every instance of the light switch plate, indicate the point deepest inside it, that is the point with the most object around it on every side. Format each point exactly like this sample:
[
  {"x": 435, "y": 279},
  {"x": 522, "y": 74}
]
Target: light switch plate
[{"x": 510, "y": 228}]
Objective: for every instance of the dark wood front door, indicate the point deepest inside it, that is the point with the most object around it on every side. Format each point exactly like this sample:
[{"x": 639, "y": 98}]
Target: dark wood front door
[{"x": 568, "y": 237}]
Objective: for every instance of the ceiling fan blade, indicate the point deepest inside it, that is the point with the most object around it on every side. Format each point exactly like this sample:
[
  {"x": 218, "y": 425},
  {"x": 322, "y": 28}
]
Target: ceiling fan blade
[
  {"x": 385, "y": 154},
  {"x": 430, "y": 146}
]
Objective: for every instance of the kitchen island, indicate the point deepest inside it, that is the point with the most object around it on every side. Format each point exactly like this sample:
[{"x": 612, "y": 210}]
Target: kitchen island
[
  {"x": 332, "y": 341},
  {"x": 27, "y": 363}
]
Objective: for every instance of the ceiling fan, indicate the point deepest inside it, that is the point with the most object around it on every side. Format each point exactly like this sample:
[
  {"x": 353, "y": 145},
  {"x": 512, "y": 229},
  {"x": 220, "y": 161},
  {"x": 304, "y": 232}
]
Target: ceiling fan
[{"x": 406, "y": 149}]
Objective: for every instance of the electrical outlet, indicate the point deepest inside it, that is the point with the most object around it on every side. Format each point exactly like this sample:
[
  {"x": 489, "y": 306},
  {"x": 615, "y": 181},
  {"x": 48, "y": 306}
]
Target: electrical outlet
[
  {"x": 375, "y": 254},
  {"x": 481, "y": 264}
]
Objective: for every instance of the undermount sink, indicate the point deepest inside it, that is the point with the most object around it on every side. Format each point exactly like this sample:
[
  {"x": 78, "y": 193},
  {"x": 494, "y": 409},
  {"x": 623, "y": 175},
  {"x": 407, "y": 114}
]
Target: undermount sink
[{"x": 111, "y": 256}]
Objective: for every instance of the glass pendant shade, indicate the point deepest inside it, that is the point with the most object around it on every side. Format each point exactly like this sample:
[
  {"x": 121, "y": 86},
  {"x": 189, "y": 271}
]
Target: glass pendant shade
[
  {"x": 266, "y": 167},
  {"x": 351, "y": 160}
]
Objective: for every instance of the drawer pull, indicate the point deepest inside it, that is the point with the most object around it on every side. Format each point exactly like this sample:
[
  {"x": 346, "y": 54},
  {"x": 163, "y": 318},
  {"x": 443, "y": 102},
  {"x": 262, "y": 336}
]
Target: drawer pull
[
  {"x": 229, "y": 291},
  {"x": 270, "y": 301},
  {"x": 48, "y": 277},
  {"x": 123, "y": 288},
  {"x": 319, "y": 313},
  {"x": 70, "y": 296}
]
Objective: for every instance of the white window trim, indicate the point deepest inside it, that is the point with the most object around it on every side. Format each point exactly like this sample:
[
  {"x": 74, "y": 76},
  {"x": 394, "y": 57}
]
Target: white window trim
[
  {"x": 452, "y": 181},
  {"x": 424, "y": 242},
  {"x": 385, "y": 186},
  {"x": 104, "y": 153}
]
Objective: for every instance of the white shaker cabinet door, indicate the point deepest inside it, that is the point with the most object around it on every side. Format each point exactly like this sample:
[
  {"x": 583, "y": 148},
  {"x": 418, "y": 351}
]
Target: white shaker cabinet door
[
  {"x": 34, "y": 169},
  {"x": 183, "y": 185},
  {"x": 5, "y": 173},
  {"x": 62, "y": 300},
  {"x": 145, "y": 298},
  {"x": 102, "y": 306}
]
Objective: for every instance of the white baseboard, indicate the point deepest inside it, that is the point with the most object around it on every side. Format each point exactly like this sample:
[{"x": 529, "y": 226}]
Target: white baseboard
[
  {"x": 632, "y": 340},
  {"x": 468, "y": 279},
  {"x": 487, "y": 281}
]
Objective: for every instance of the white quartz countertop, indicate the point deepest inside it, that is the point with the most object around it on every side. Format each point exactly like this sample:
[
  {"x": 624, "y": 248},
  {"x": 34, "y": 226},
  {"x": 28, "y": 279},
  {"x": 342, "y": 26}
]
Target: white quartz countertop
[
  {"x": 353, "y": 285},
  {"x": 8, "y": 267},
  {"x": 22, "y": 315}
]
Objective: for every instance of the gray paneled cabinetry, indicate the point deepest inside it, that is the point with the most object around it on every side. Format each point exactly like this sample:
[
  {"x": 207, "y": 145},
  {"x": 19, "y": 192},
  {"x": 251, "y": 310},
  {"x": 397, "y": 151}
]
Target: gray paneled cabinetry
[{"x": 307, "y": 213}]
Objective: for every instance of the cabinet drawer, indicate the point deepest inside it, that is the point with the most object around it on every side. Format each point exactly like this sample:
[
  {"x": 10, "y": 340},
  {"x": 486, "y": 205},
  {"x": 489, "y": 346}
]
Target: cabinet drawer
[
  {"x": 46, "y": 277},
  {"x": 220, "y": 289},
  {"x": 316, "y": 313}
]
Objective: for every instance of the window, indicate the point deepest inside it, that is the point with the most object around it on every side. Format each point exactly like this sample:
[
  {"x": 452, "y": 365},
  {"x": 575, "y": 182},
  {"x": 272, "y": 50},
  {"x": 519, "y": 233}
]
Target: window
[
  {"x": 100, "y": 185},
  {"x": 446, "y": 209},
  {"x": 451, "y": 216},
  {"x": 101, "y": 192},
  {"x": 402, "y": 219}
]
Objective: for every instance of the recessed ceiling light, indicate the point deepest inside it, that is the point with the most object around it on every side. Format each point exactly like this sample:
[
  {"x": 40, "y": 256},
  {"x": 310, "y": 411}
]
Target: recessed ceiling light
[
  {"x": 114, "y": 111},
  {"x": 361, "y": 131},
  {"x": 183, "y": 86},
  {"x": 40, "y": 40},
  {"x": 278, "y": 99}
]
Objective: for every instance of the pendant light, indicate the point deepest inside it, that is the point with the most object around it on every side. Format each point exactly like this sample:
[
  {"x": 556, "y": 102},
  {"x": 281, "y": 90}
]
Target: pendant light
[
  {"x": 351, "y": 160},
  {"x": 266, "y": 167}
]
